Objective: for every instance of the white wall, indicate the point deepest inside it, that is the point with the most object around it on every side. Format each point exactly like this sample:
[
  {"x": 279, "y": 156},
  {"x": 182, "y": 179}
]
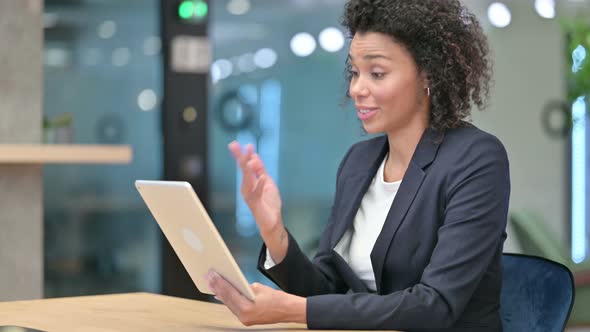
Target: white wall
[{"x": 529, "y": 72}]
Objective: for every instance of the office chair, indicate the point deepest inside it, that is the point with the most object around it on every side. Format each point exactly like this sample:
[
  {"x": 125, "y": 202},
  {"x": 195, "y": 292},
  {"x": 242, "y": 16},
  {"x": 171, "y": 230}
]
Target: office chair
[
  {"x": 537, "y": 294},
  {"x": 536, "y": 239}
]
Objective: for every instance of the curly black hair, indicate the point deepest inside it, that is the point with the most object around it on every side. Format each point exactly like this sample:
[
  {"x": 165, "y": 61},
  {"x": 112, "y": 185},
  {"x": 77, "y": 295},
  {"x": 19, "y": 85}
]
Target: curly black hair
[{"x": 447, "y": 43}]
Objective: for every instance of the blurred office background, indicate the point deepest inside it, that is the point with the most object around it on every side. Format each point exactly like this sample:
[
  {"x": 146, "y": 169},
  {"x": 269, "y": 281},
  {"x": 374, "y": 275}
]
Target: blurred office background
[{"x": 276, "y": 79}]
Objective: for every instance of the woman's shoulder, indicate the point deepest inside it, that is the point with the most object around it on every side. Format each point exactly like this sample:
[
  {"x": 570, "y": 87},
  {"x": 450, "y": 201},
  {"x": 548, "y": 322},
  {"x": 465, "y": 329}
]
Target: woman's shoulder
[
  {"x": 472, "y": 153},
  {"x": 469, "y": 148},
  {"x": 470, "y": 138}
]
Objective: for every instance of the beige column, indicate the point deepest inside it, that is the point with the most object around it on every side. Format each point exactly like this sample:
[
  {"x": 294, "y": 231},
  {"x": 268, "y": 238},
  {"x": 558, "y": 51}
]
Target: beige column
[{"x": 21, "y": 203}]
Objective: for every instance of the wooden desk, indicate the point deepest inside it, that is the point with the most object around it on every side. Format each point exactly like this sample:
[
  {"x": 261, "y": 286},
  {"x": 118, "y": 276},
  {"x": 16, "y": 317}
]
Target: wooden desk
[
  {"x": 65, "y": 154},
  {"x": 127, "y": 312}
]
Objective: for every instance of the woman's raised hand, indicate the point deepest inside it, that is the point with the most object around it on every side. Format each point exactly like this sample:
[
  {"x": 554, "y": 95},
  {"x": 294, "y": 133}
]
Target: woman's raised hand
[{"x": 259, "y": 191}]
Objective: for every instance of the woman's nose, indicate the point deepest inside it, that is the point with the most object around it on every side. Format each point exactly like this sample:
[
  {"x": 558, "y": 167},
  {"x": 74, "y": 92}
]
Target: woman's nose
[{"x": 358, "y": 88}]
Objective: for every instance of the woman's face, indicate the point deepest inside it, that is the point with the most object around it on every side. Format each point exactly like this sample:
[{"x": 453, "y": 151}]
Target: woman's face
[{"x": 388, "y": 91}]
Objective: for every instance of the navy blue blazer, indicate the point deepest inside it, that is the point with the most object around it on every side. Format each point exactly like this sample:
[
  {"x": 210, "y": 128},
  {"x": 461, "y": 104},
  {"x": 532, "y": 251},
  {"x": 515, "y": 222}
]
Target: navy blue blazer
[{"x": 437, "y": 260}]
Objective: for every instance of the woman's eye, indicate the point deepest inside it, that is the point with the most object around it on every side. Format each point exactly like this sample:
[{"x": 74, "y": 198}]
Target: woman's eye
[
  {"x": 377, "y": 75},
  {"x": 354, "y": 73}
]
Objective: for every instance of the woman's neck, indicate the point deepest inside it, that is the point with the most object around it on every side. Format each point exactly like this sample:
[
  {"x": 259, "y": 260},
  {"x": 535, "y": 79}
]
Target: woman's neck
[{"x": 402, "y": 145}]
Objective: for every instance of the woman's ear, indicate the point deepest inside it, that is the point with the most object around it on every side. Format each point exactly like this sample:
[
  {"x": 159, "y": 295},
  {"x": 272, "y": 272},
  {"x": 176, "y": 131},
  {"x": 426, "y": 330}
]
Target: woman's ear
[
  {"x": 425, "y": 83},
  {"x": 424, "y": 79}
]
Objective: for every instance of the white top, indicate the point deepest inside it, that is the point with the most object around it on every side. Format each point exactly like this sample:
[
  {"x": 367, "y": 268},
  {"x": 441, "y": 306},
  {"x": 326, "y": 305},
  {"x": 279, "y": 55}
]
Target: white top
[{"x": 356, "y": 244}]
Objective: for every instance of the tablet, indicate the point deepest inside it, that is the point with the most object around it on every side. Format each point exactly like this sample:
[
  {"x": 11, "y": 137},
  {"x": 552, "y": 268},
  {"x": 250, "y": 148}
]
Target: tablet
[{"x": 191, "y": 233}]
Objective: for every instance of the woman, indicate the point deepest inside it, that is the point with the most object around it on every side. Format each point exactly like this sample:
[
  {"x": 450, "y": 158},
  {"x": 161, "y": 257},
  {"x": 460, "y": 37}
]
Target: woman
[{"x": 415, "y": 235}]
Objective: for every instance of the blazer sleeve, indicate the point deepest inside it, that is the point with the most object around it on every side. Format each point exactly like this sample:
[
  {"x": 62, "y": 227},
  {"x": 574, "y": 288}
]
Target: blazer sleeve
[
  {"x": 470, "y": 235},
  {"x": 297, "y": 274}
]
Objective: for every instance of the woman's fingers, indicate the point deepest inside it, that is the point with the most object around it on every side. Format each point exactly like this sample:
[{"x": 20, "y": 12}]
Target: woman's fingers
[
  {"x": 257, "y": 192},
  {"x": 249, "y": 149},
  {"x": 248, "y": 181},
  {"x": 257, "y": 165},
  {"x": 227, "y": 293},
  {"x": 236, "y": 150},
  {"x": 253, "y": 170},
  {"x": 242, "y": 158},
  {"x": 246, "y": 157}
]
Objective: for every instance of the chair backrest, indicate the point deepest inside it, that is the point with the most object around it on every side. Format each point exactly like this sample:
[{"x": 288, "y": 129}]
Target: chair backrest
[{"x": 537, "y": 294}]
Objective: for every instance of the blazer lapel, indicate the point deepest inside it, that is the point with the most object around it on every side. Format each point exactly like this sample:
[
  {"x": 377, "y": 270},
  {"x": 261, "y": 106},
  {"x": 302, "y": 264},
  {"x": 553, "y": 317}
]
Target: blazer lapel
[
  {"x": 411, "y": 182},
  {"x": 355, "y": 188},
  {"x": 347, "y": 274}
]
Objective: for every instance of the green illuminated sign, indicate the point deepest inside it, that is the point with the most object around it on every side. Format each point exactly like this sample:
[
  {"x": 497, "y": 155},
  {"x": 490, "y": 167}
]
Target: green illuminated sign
[
  {"x": 201, "y": 9},
  {"x": 194, "y": 10},
  {"x": 186, "y": 10}
]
